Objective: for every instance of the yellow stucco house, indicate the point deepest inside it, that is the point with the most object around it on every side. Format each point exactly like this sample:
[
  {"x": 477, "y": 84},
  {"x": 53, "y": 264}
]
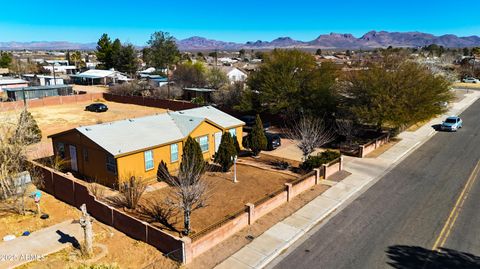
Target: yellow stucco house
[{"x": 112, "y": 152}]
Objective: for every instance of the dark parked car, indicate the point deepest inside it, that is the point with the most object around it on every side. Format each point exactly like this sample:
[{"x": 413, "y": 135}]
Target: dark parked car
[
  {"x": 96, "y": 107},
  {"x": 273, "y": 141},
  {"x": 250, "y": 121}
]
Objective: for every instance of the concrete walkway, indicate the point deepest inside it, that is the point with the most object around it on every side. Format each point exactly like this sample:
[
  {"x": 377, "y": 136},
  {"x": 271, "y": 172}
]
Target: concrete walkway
[
  {"x": 39, "y": 244},
  {"x": 365, "y": 173}
]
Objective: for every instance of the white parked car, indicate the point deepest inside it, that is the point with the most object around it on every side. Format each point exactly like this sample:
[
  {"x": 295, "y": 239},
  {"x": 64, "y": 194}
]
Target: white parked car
[{"x": 470, "y": 80}]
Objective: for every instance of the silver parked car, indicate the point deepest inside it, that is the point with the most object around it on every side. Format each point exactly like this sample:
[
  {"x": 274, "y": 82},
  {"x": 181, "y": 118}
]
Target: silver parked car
[{"x": 470, "y": 80}]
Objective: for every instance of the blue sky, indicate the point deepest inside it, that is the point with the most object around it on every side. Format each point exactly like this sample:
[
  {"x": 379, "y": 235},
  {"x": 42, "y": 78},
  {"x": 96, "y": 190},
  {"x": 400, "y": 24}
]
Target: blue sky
[{"x": 239, "y": 21}]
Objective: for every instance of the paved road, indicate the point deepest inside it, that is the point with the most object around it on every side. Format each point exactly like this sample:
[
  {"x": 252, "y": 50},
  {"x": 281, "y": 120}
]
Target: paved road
[{"x": 397, "y": 221}]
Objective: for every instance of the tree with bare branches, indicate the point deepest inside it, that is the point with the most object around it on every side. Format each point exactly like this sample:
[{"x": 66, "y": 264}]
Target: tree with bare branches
[
  {"x": 189, "y": 190},
  {"x": 309, "y": 133},
  {"x": 347, "y": 129},
  {"x": 131, "y": 191},
  {"x": 15, "y": 135}
]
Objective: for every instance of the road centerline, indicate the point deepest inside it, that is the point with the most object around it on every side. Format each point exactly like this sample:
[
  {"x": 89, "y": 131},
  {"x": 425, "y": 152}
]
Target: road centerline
[{"x": 450, "y": 223}]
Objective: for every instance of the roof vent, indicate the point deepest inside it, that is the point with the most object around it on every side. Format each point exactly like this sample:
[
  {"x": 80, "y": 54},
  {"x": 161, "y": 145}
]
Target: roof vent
[
  {"x": 181, "y": 112},
  {"x": 131, "y": 120},
  {"x": 88, "y": 129}
]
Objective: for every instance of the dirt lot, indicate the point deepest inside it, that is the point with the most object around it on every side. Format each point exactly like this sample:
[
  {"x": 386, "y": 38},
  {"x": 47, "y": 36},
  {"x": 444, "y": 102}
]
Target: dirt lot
[
  {"x": 227, "y": 197},
  {"x": 55, "y": 119}
]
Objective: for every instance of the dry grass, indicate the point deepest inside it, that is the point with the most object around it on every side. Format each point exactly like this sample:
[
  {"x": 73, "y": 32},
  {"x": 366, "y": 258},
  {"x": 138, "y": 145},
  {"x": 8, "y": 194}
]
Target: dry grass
[
  {"x": 16, "y": 224},
  {"x": 466, "y": 85}
]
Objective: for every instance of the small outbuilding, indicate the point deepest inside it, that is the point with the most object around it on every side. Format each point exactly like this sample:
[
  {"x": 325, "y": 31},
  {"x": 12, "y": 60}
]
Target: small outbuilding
[
  {"x": 99, "y": 77},
  {"x": 38, "y": 92}
]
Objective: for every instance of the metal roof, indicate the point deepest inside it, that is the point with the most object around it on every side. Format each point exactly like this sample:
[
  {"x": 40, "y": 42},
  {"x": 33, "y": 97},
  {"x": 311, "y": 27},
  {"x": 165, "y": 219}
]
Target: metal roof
[
  {"x": 97, "y": 73},
  {"x": 215, "y": 115},
  {"x": 199, "y": 90},
  {"x": 7, "y": 81},
  {"x": 124, "y": 136},
  {"x": 39, "y": 88}
]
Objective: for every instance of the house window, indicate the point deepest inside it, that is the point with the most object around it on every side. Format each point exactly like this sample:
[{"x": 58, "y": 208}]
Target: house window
[
  {"x": 233, "y": 132},
  {"x": 173, "y": 153},
  {"x": 148, "y": 160},
  {"x": 111, "y": 164},
  {"x": 61, "y": 150},
  {"x": 203, "y": 141},
  {"x": 85, "y": 154}
]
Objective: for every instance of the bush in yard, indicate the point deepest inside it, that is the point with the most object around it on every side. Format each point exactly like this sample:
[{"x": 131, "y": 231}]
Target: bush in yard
[
  {"x": 27, "y": 132},
  {"x": 321, "y": 158},
  {"x": 131, "y": 191},
  {"x": 256, "y": 140},
  {"x": 226, "y": 152},
  {"x": 192, "y": 157}
]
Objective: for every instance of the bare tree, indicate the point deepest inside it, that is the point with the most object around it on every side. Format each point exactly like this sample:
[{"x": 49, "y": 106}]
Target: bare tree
[
  {"x": 14, "y": 166},
  {"x": 346, "y": 128},
  {"x": 189, "y": 191},
  {"x": 131, "y": 191},
  {"x": 86, "y": 223},
  {"x": 309, "y": 133}
]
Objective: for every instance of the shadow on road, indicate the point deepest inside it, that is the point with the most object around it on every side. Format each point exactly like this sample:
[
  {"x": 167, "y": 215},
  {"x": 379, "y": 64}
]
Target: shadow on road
[
  {"x": 413, "y": 257},
  {"x": 436, "y": 127}
]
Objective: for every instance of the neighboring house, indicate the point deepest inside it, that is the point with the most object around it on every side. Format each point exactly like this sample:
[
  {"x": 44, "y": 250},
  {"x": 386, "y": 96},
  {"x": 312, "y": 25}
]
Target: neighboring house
[
  {"x": 61, "y": 69},
  {"x": 99, "y": 77},
  {"x": 11, "y": 83},
  {"x": 112, "y": 152},
  {"x": 234, "y": 74},
  {"x": 42, "y": 80},
  {"x": 38, "y": 92}
]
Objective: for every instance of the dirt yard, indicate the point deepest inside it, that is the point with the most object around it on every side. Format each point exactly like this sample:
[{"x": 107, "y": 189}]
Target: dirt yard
[
  {"x": 11, "y": 223},
  {"x": 226, "y": 197},
  {"x": 117, "y": 243},
  {"x": 55, "y": 119}
]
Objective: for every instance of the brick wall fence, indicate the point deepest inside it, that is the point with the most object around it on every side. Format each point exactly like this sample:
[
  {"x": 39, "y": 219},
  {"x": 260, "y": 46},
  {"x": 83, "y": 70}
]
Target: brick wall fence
[
  {"x": 150, "y": 101},
  {"x": 74, "y": 192},
  {"x": 216, "y": 233},
  {"x": 51, "y": 101},
  {"x": 372, "y": 145}
]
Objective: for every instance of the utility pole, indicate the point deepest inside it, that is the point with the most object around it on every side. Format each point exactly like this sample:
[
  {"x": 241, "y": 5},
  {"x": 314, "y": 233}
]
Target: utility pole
[{"x": 54, "y": 77}]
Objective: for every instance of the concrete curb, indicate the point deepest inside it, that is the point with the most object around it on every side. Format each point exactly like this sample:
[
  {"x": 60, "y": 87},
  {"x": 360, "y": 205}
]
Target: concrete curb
[{"x": 340, "y": 204}]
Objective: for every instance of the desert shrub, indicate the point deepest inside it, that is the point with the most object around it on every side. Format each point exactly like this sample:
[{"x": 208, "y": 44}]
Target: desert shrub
[
  {"x": 315, "y": 161},
  {"x": 131, "y": 191}
]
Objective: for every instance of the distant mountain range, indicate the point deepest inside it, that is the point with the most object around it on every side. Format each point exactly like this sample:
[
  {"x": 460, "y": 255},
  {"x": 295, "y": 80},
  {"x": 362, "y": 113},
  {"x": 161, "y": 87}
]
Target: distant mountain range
[{"x": 369, "y": 40}]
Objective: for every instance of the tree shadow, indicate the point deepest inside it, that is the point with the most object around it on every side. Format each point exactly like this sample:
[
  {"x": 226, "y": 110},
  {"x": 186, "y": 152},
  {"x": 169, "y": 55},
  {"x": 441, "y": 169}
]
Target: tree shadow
[
  {"x": 414, "y": 257},
  {"x": 66, "y": 238}
]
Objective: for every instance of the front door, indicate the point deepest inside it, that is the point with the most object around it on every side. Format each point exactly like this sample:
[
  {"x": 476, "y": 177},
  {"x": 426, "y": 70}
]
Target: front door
[
  {"x": 218, "y": 139},
  {"x": 73, "y": 158}
]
